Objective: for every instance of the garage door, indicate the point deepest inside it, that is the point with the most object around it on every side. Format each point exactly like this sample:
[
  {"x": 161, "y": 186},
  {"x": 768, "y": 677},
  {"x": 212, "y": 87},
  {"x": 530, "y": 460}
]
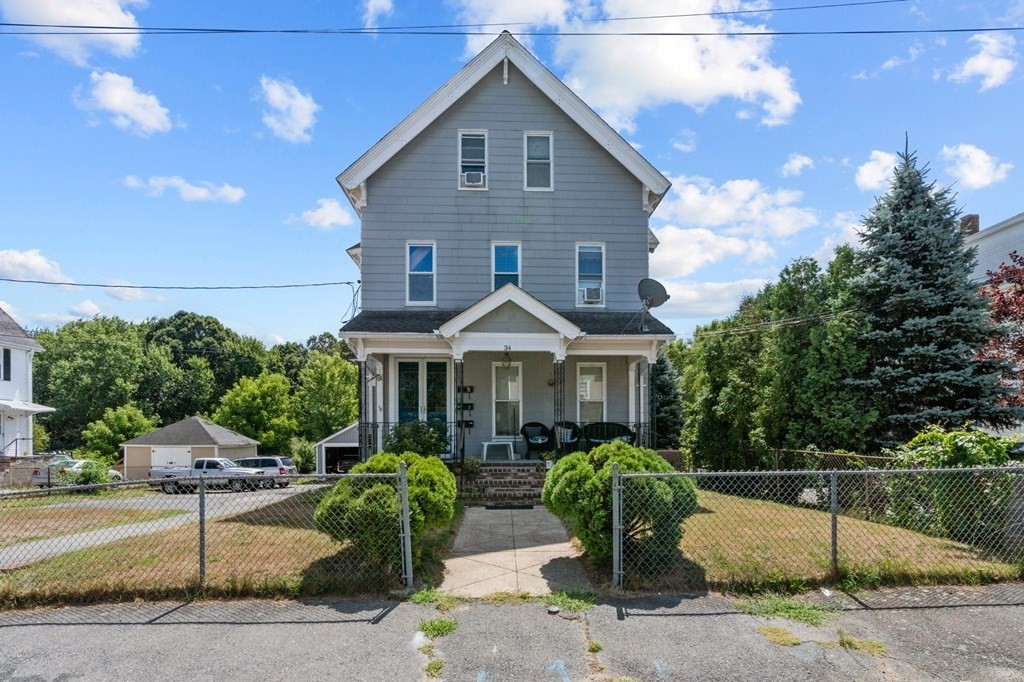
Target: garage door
[{"x": 171, "y": 457}]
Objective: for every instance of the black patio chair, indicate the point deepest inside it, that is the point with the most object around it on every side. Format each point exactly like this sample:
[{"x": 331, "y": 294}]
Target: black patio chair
[
  {"x": 538, "y": 438},
  {"x": 567, "y": 436},
  {"x": 600, "y": 433}
]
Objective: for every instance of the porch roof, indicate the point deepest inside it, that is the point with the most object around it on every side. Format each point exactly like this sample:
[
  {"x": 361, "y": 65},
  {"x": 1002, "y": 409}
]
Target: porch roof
[{"x": 426, "y": 321}]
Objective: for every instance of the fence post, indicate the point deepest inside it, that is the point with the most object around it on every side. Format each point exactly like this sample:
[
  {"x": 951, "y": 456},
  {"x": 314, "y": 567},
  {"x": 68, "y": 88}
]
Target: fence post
[
  {"x": 202, "y": 532},
  {"x": 616, "y": 526},
  {"x": 403, "y": 484},
  {"x": 834, "y": 503}
]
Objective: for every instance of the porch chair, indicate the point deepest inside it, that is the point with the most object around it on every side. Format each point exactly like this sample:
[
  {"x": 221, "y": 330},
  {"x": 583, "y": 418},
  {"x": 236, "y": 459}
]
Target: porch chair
[
  {"x": 567, "y": 436},
  {"x": 537, "y": 437},
  {"x": 599, "y": 433}
]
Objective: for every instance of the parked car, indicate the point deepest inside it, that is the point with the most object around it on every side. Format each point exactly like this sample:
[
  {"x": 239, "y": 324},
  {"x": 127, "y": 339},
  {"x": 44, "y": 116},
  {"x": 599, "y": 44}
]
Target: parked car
[
  {"x": 276, "y": 468},
  {"x": 221, "y": 472},
  {"x": 58, "y": 471}
]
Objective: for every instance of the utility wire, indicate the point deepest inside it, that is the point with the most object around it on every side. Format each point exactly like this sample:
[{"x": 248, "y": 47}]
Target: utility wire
[
  {"x": 179, "y": 288},
  {"x": 392, "y": 29}
]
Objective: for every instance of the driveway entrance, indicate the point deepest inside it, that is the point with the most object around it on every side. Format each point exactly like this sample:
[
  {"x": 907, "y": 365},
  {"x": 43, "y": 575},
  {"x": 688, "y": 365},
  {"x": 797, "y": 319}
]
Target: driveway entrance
[{"x": 512, "y": 550}]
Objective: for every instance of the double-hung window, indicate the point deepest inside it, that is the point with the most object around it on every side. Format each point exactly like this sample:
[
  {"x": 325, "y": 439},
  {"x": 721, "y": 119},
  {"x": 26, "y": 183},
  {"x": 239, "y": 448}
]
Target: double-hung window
[
  {"x": 472, "y": 159},
  {"x": 505, "y": 260},
  {"x": 421, "y": 271},
  {"x": 590, "y": 274},
  {"x": 537, "y": 158}
]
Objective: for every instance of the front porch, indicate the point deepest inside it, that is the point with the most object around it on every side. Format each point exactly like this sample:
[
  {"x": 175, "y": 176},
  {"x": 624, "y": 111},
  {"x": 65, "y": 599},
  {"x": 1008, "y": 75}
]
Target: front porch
[{"x": 507, "y": 374}]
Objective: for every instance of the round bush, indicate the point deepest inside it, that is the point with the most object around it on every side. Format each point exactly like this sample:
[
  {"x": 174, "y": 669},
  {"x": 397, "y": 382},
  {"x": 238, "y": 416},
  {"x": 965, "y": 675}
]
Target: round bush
[{"x": 579, "y": 489}]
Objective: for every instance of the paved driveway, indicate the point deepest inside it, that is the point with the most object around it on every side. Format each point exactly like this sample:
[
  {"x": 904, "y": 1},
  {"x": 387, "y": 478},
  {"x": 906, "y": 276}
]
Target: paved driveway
[{"x": 218, "y": 504}]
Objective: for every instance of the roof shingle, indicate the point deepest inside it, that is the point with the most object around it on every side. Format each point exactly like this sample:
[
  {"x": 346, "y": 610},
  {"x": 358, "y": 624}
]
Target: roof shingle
[{"x": 426, "y": 321}]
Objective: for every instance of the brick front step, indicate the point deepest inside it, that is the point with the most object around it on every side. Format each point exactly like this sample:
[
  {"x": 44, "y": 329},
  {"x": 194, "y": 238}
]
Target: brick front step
[{"x": 505, "y": 481}]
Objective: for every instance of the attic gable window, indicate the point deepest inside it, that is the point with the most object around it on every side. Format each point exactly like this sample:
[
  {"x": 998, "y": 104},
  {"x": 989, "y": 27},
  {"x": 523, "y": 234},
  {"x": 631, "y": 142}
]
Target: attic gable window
[
  {"x": 537, "y": 159},
  {"x": 472, "y": 159}
]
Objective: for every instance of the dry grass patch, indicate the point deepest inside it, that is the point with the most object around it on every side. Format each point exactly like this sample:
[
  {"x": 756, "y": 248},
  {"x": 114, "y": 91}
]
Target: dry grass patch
[
  {"x": 736, "y": 542},
  {"x": 780, "y": 636},
  {"x": 38, "y": 523},
  {"x": 868, "y": 646}
]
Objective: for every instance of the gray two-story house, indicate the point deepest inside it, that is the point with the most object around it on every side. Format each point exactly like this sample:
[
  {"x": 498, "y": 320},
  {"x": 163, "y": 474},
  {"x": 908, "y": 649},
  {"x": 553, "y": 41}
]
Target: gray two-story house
[{"x": 504, "y": 233}]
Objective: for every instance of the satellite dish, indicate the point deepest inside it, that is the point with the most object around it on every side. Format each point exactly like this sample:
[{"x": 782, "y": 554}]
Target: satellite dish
[{"x": 651, "y": 292}]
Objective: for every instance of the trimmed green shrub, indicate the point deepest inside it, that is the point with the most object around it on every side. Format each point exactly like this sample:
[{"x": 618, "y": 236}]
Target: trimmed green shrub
[
  {"x": 347, "y": 513},
  {"x": 969, "y": 507},
  {"x": 303, "y": 455},
  {"x": 423, "y": 438},
  {"x": 579, "y": 489}
]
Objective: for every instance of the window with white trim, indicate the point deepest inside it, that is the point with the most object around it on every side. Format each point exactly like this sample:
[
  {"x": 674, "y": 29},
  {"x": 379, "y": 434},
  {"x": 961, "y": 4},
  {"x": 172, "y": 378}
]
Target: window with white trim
[
  {"x": 472, "y": 159},
  {"x": 505, "y": 263},
  {"x": 590, "y": 391},
  {"x": 590, "y": 274},
  {"x": 537, "y": 160},
  {"x": 5, "y": 369},
  {"x": 508, "y": 399},
  {"x": 421, "y": 269}
]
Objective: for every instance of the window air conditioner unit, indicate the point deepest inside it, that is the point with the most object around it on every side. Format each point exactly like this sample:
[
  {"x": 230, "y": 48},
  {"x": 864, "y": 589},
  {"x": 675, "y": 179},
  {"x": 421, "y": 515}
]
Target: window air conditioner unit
[
  {"x": 592, "y": 295},
  {"x": 473, "y": 179}
]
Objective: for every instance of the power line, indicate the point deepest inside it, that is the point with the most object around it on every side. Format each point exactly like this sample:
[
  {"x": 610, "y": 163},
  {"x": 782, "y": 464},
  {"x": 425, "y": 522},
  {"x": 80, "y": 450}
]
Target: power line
[
  {"x": 165, "y": 30},
  {"x": 156, "y": 287}
]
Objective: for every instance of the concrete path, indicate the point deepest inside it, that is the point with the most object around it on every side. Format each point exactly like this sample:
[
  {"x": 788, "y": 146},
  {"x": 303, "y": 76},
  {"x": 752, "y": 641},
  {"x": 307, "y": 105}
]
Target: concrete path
[{"x": 517, "y": 550}]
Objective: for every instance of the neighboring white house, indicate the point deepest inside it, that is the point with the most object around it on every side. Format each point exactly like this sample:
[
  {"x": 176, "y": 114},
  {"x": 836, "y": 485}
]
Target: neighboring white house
[
  {"x": 16, "y": 406},
  {"x": 181, "y": 443},
  {"x": 994, "y": 243},
  {"x": 338, "y": 450}
]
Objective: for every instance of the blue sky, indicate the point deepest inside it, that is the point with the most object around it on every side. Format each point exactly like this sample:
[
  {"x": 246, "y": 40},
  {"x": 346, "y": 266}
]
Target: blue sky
[{"x": 210, "y": 159}]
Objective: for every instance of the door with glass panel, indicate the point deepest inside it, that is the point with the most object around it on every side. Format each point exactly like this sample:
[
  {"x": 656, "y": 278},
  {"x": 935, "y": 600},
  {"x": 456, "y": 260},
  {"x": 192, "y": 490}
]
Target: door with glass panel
[
  {"x": 507, "y": 397},
  {"x": 422, "y": 390}
]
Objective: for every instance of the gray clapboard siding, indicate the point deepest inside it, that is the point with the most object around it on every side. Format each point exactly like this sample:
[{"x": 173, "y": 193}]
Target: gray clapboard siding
[{"x": 415, "y": 197}]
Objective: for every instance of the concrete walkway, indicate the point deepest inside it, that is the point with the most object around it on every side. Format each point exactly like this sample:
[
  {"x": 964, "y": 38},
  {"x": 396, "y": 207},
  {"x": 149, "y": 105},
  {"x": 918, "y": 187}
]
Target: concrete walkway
[{"x": 517, "y": 550}]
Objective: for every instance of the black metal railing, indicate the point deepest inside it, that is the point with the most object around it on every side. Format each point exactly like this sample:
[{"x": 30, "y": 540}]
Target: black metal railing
[{"x": 373, "y": 436}]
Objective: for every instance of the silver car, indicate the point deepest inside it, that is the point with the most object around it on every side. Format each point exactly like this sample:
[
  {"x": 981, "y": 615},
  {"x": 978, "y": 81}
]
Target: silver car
[
  {"x": 277, "y": 469},
  {"x": 56, "y": 472}
]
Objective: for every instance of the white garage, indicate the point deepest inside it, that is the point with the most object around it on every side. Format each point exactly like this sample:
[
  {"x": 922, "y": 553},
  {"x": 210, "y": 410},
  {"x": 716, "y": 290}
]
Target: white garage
[
  {"x": 338, "y": 451},
  {"x": 180, "y": 444}
]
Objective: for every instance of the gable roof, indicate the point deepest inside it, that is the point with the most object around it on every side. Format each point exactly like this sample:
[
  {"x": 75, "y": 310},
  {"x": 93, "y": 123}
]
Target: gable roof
[
  {"x": 510, "y": 293},
  {"x": 192, "y": 431},
  {"x": 11, "y": 334},
  {"x": 352, "y": 179}
]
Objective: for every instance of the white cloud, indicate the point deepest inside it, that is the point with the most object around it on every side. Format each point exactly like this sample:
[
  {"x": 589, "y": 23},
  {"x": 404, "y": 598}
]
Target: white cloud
[
  {"x": 686, "y": 141},
  {"x": 292, "y": 113},
  {"x": 913, "y": 52},
  {"x": 137, "y": 112},
  {"x": 622, "y": 75},
  {"x": 54, "y": 319},
  {"x": 1015, "y": 12},
  {"x": 795, "y": 164},
  {"x": 847, "y": 226},
  {"x": 876, "y": 171},
  {"x": 330, "y": 214},
  {"x": 683, "y": 252},
  {"x": 128, "y": 294},
  {"x": 374, "y": 10},
  {"x": 204, "y": 191},
  {"x": 78, "y": 48},
  {"x": 30, "y": 265},
  {"x": 86, "y": 309},
  {"x": 974, "y": 167},
  {"x": 706, "y": 299},
  {"x": 11, "y": 310},
  {"x": 993, "y": 63},
  {"x": 739, "y": 207}
]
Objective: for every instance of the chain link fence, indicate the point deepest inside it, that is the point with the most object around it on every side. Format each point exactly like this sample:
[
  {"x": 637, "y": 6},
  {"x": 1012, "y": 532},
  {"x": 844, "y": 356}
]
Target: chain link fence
[
  {"x": 797, "y": 529},
  {"x": 186, "y": 537}
]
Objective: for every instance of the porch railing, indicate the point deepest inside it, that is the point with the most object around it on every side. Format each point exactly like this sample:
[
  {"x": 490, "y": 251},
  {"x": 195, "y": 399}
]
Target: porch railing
[{"x": 373, "y": 435}]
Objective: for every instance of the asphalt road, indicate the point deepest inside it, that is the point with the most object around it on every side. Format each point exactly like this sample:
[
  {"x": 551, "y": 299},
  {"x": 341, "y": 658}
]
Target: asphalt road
[
  {"x": 218, "y": 503},
  {"x": 930, "y": 634}
]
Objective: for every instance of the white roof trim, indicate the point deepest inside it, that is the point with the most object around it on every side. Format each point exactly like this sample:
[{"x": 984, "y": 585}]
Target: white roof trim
[
  {"x": 336, "y": 434},
  {"x": 509, "y": 293},
  {"x": 21, "y": 407},
  {"x": 353, "y": 178}
]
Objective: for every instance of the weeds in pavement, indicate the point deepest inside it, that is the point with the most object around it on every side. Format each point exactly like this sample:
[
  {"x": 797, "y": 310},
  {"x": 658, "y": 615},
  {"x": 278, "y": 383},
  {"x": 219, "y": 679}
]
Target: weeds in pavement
[
  {"x": 442, "y": 600},
  {"x": 438, "y": 627},
  {"x": 595, "y": 647},
  {"x": 780, "y": 636},
  {"x": 434, "y": 668},
  {"x": 779, "y": 606},
  {"x": 867, "y": 646},
  {"x": 573, "y": 601}
]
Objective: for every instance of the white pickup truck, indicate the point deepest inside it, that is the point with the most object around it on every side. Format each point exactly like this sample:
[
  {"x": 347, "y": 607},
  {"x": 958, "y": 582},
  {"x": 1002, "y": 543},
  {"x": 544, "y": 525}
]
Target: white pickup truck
[{"x": 219, "y": 472}]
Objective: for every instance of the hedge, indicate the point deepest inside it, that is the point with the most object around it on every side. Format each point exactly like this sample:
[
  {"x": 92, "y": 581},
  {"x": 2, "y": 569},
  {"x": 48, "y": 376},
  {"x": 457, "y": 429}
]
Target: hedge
[{"x": 579, "y": 489}]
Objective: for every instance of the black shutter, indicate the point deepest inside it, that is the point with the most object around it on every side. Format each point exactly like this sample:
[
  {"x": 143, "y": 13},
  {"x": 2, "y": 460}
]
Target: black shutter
[{"x": 7, "y": 364}]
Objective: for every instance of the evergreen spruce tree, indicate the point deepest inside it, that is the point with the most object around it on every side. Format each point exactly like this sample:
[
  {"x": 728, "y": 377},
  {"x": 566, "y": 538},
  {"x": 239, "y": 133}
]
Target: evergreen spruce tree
[
  {"x": 669, "y": 408},
  {"x": 925, "y": 319}
]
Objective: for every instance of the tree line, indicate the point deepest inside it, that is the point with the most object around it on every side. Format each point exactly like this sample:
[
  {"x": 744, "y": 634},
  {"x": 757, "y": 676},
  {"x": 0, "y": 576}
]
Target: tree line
[
  {"x": 887, "y": 339},
  {"x": 111, "y": 379}
]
